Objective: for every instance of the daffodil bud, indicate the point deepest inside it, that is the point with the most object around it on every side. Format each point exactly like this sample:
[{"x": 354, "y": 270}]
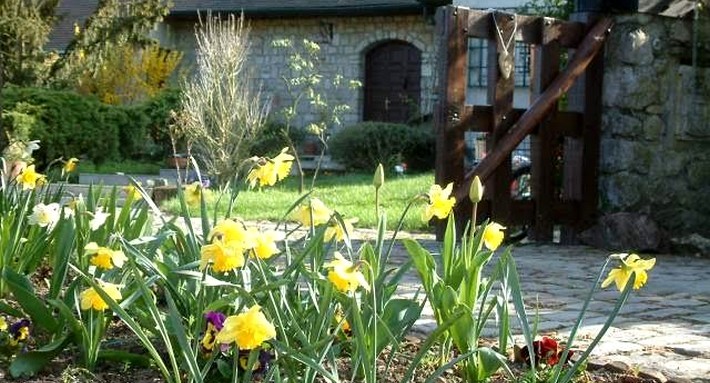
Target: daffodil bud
[
  {"x": 379, "y": 178},
  {"x": 475, "y": 193}
]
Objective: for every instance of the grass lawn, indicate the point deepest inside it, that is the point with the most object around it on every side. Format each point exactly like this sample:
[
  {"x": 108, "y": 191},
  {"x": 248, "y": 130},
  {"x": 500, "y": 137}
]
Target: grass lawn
[{"x": 352, "y": 195}]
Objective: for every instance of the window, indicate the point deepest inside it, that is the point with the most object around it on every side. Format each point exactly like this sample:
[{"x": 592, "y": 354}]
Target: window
[{"x": 478, "y": 63}]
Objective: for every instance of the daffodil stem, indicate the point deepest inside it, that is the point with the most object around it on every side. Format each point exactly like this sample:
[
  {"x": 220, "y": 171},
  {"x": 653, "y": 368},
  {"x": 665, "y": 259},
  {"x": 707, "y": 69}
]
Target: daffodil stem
[
  {"x": 619, "y": 303},
  {"x": 377, "y": 203},
  {"x": 558, "y": 368}
]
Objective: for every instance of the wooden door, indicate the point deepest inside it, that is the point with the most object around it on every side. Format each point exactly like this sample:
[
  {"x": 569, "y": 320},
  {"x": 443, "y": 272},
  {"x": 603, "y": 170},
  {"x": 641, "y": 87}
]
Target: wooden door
[{"x": 393, "y": 72}]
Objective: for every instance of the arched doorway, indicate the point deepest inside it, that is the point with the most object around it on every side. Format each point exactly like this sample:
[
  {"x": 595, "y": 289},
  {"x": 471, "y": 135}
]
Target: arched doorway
[{"x": 393, "y": 72}]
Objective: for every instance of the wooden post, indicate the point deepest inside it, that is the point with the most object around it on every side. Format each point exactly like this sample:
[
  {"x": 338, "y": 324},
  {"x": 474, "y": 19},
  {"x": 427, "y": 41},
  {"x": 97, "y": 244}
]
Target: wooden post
[
  {"x": 450, "y": 143},
  {"x": 501, "y": 97},
  {"x": 581, "y": 171},
  {"x": 546, "y": 64}
]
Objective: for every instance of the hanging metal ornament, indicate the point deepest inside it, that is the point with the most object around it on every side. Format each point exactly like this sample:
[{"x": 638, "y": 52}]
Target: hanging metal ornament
[{"x": 506, "y": 64}]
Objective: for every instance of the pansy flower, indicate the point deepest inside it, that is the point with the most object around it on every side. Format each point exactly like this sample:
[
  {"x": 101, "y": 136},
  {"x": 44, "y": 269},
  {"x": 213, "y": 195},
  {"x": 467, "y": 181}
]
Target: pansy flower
[
  {"x": 19, "y": 331},
  {"x": 215, "y": 322}
]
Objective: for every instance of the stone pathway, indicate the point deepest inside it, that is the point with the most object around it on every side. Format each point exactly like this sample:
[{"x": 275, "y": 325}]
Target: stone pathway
[
  {"x": 663, "y": 331},
  {"x": 664, "y": 327}
]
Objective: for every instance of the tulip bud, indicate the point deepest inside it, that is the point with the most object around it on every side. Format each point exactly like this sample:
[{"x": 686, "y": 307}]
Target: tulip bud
[
  {"x": 379, "y": 178},
  {"x": 475, "y": 193}
]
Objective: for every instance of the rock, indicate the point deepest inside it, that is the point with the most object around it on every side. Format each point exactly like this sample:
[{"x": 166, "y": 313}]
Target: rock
[
  {"x": 654, "y": 375},
  {"x": 617, "y": 366},
  {"x": 679, "y": 380},
  {"x": 625, "y": 232},
  {"x": 692, "y": 244}
]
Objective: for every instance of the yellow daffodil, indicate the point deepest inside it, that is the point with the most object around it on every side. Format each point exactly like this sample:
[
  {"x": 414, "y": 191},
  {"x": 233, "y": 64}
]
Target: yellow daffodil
[
  {"x": 90, "y": 299},
  {"x": 132, "y": 193},
  {"x": 272, "y": 170},
  {"x": 45, "y": 215},
  {"x": 440, "y": 204},
  {"x": 344, "y": 275},
  {"x": 228, "y": 230},
  {"x": 70, "y": 165},
  {"x": 3, "y": 324},
  {"x": 193, "y": 193},
  {"x": 29, "y": 178},
  {"x": 248, "y": 330},
  {"x": 630, "y": 264},
  {"x": 338, "y": 231},
  {"x": 223, "y": 256},
  {"x": 103, "y": 257},
  {"x": 321, "y": 213},
  {"x": 265, "y": 246},
  {"x": 493, "y": 235}
]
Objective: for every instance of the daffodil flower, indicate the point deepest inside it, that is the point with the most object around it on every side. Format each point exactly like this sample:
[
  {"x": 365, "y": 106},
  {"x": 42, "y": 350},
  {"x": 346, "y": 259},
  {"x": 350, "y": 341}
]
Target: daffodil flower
[
  {"x": 228, "y": 231},
  {"x": 493, "y": 235},
  {"x": 29, "y": 178},
  {"x": 338, "y": 231},
  {"x": 70, "y": 165},
  {"x": 45, "y": 215},
  {"x": 99, "y": 218},
  {"x": 132, "y": 193},
  {"x": 344, "y": 275},
  {"x": 272, "y": 170},
  {"x": 223, "y": 257},
  {"x": 193, "y": 193},
  {"x": 321, "y": 213},
  {"x": 440, "y": 202},
  {"x": 265, "y": 246},
  {"x": 630, "y": 264},
  {"x": 91, "y": 300},
  {"x": 247, "y": 330},
  {"x": 103, "y": 257}
]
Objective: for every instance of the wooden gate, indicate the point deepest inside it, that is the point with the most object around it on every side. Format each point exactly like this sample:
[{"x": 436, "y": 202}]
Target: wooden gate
[{"x": 564, "y": 141}]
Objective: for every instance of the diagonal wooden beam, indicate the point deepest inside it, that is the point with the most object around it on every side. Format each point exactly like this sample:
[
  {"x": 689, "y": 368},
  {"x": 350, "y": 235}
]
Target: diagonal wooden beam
[{"x": 587, "y": 50}]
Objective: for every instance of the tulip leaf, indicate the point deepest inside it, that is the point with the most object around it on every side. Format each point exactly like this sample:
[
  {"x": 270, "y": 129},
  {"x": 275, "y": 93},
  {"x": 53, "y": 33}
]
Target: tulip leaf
[
  {"x": 30, "y": 303},
  {"x": 30, "y": 363}
]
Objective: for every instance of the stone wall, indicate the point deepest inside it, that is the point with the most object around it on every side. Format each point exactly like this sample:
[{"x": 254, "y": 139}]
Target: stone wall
[
  {"x": 344, "y": 54},
  {"x": 655, "y": 147}
]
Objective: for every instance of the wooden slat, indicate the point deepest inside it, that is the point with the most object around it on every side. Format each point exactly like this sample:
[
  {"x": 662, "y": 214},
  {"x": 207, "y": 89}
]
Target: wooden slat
[
  {"x": 450, "y": 144},
  {"x": 591, "y": 45},
  {"x": 479, "y": 118},
  {"x": 569, "y": 34},
  {"x": 546, "y": 64},
  {"x": 501, "y": 97}
]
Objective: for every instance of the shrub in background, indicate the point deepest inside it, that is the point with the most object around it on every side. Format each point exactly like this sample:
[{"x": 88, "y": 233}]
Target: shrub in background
[
  {"x": 69, "y": 124},
  {"x": 272, "y": 139},
  {"x": 363, "y": 146}
]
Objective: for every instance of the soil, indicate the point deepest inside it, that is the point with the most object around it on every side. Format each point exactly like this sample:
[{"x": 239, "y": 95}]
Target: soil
[{"x": 63, "y": 370}]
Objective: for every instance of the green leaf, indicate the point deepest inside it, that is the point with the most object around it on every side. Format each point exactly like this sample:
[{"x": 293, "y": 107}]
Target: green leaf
[
  {"x": 30, "y": 363},
  {"x": 423, "y": 262},
  {"x": 34, "y": 307},
  {"x": 398, "y": 316},
  {"x": 125, "y": 357}
]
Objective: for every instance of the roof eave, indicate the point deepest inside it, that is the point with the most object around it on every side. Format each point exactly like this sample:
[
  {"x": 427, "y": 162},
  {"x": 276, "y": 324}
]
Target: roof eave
[{"x": 386, "y": 10}]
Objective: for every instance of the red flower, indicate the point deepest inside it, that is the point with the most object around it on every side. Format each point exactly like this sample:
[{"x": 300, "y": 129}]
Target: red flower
[{"x": 546, "y": 351}]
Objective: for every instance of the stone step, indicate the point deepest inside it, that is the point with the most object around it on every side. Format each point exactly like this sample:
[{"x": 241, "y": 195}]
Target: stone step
[{"x": 164, "y": 177}]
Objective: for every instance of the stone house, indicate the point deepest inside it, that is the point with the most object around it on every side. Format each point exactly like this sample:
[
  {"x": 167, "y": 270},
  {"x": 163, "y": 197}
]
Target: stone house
[{"x": 387, "y": 45}]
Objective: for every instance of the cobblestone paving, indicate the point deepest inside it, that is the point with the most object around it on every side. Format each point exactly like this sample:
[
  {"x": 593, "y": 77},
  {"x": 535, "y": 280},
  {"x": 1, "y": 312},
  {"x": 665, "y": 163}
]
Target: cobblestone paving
[{"x": 665, "y": 326}]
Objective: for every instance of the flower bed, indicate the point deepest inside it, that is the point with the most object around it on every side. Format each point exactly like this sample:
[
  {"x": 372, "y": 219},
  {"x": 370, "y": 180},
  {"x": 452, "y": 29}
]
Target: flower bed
[{"x": 234, "y": 303}]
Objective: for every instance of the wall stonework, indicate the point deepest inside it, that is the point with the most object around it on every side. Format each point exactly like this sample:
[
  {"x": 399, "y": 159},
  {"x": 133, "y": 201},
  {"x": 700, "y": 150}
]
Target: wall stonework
[
  {"x": 655, "y": 145},
  {"x": 344, "y": 54}
]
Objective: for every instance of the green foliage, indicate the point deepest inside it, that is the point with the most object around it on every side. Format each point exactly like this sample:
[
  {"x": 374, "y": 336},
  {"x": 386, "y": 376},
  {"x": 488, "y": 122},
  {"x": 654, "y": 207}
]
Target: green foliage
[
  {"x": 559, "y": 9},
  {"x": 24, "y": 28},
  {"x": 273, "y": 138},
  {"x": 71, "y": 125},
  {"x": 367, "y": 144}
]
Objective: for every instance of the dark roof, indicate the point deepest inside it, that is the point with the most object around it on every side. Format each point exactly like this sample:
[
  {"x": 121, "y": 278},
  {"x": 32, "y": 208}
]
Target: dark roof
[
  {"x": 279, "y": 8},
  {"x": 69, "y": 12},
  {"x": 671, "y": 8}
]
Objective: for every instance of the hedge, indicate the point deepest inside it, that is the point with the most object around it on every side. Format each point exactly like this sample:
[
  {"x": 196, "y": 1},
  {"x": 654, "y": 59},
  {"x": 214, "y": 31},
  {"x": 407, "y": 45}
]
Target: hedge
[
  {"x": 364, "y": 145},
  {"x": 69, "y": 124}
]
